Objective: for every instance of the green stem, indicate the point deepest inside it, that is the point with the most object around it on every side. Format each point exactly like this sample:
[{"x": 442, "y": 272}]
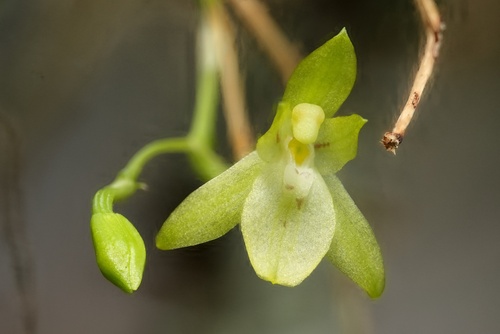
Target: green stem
[
  {"x": 198, "y": 144},
  {"x": 207, "y": 98},
  {"x": 103, "y": 201},
  {"x": 141, "y": 158}
]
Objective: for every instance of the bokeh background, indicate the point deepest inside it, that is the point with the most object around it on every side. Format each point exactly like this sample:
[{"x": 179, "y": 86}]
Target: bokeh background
[{"x": 85, "y": 84}]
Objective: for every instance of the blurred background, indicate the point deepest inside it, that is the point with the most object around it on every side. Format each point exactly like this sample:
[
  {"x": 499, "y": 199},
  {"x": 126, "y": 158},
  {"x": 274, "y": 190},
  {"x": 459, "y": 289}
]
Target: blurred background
[{"x": 85, "y": 84}]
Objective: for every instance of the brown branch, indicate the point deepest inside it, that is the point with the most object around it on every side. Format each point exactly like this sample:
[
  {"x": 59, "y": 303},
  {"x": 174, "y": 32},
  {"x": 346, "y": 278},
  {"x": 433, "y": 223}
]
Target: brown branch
[
  {"x": 280, "y": 50},
  {"x": 434, "y": 34},
  {"x": 239, "y": 132}
]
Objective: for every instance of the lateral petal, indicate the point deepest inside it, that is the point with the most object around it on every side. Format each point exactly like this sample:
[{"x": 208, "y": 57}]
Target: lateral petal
[
  {"x": 211, "y": 210},
  {"x": 337, "y": 142},
  {"x": 354, "y": 249}
]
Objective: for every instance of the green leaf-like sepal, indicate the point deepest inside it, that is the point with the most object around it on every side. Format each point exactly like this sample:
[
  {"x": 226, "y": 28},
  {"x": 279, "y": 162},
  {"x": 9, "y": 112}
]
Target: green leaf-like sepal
[
  {"x": 213, "y": 209},
  {"x": 354, "y": 249},
  {"x": 119, "y": 249},
  {"x": 286, "y": 237},
  {"x": 325, "y": 77},
  {"x": 337, "y": 142}
]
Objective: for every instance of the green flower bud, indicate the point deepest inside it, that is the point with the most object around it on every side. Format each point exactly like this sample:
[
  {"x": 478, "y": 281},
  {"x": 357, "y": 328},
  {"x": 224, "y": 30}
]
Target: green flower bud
[{"x": 119, "y": 250}]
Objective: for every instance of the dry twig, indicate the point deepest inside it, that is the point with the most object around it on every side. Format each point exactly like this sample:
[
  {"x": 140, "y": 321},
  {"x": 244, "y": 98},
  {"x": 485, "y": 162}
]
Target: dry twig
[
  {"x": 434, "y": 33},
  {"x": 261, "y": 25},
  {"x": 239, "y": 132}
]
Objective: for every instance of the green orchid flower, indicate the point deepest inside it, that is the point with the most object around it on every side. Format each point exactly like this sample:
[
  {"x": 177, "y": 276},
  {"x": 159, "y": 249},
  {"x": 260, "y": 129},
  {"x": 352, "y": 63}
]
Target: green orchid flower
[{"x": 292, "y": 208}]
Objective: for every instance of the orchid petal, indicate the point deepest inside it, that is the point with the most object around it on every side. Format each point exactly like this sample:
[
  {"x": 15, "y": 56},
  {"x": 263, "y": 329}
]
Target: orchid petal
[
  {"x": 213, "y": 209},
  {"x": 325, "y": 77},
  {"x": 337, "y": 143},
  {"x": 354, "y": 249},
  {"x": 286, "y": 237}
]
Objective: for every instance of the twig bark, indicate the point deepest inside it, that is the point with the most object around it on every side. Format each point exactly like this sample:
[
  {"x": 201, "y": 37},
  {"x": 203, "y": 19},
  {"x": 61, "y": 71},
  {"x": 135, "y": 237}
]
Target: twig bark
[
  {"x": 434, "y": 33},
  {"x": 261, "y": 25},
  {"x": 239, "y": 132}
]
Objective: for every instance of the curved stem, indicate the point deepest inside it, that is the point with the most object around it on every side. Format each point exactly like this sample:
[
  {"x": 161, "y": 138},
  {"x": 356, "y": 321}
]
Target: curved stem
[
  {"x": 197, "y": 144},
  {"x": 103, "y": 201},
  {"x": 143, "y": 156}
]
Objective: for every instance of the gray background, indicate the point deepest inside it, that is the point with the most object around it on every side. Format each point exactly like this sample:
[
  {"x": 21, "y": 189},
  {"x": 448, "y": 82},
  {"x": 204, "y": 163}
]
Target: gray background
[{"x": 87, "y": 83}]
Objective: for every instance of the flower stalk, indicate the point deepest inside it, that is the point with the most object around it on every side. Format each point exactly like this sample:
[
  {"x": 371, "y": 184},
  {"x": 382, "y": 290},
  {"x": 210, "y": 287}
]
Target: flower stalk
[{"x": 119, "y": 248}]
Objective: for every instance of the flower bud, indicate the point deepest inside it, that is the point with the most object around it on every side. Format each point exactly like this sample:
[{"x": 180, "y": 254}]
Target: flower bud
[{"x": 119, "y": 250}]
